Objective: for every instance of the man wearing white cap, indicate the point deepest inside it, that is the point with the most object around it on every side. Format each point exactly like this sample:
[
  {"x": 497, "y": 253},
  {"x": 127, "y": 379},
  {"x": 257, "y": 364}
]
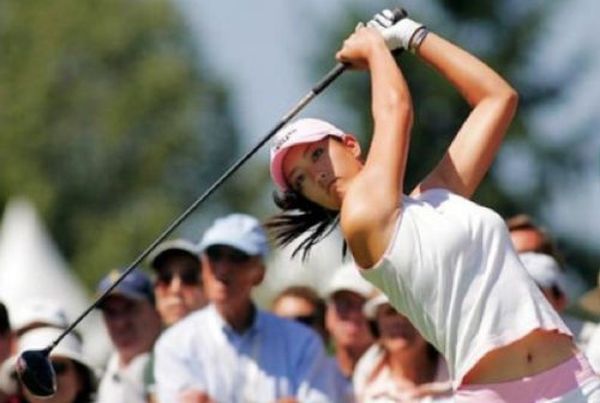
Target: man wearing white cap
[
  {"x": 231, "y": 351},
  {"x": 178, "y": 289},
  {"x": 346, "y": 294},
  {"x": 178, "y": 284},
  {"x": 547, "y": 274}
]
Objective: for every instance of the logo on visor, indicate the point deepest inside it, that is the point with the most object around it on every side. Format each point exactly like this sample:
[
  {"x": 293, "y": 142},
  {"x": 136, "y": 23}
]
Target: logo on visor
[{"x": 285, "y": 137}]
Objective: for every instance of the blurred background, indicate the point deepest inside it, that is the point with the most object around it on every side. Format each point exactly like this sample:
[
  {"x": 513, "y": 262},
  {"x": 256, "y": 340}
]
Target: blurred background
[{"x": 116, "y": 115}]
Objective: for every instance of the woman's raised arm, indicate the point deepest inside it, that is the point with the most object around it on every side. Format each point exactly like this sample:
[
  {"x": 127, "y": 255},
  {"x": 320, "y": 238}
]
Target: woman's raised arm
[
  {"x": 375, "y": 195},
  {"x": 494, "y": 102}
]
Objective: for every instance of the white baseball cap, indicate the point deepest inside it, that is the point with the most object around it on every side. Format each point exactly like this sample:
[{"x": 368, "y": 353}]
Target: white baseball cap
[
  {"x": 370, "y": 307},
  {"x": 39, "y": 338},
  {"x": 544, "y": 269},
  {"x": 348, "y": 278},
  {"x": 239, "y": 231},
  {"x": 39, "y": 312}
]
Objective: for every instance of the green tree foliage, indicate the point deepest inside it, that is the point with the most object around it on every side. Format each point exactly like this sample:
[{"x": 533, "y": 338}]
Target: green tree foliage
[
  {"x": 503, "y": 34},
  {"x": 106, "y": 122}
]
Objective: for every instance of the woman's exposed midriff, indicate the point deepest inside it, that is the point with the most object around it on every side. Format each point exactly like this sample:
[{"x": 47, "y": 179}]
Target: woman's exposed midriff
[{"x": 537, "y": 352}]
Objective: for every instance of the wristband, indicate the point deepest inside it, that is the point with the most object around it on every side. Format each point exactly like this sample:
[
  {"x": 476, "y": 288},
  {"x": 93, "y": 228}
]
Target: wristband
[
  {"x": 418, "y": 37},
  {"x": 405, "y": 31}
]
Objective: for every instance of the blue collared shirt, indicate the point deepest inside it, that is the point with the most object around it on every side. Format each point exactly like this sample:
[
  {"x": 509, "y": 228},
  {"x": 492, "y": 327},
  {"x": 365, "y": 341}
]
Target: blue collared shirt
[{"x": 273, "y": 358}]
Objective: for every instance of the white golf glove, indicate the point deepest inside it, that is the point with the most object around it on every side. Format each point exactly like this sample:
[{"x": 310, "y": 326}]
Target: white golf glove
[{"x": 404, "y": 34}]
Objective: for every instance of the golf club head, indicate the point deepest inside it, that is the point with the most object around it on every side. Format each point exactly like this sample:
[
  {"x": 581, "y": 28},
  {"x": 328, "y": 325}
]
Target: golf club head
[{"x": 36, "y": 372}]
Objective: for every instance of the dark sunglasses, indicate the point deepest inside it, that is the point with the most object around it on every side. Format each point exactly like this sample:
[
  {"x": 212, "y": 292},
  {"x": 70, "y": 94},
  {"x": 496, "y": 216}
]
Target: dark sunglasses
[
  {"x": 187, "y": 277},
  {"x": 308, "y": 320},
  {"x": 346, "y": 306},
  {"x": 60, "y": 367},
  {"x": 218, "y": 253}
]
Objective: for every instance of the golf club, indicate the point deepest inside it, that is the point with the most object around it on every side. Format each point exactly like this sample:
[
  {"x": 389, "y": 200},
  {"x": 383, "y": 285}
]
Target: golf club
[{"x": 34, "y": 367}]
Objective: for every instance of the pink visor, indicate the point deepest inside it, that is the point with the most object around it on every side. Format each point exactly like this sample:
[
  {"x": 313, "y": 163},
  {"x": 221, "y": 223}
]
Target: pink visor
[{"x": 301, "y": 131}]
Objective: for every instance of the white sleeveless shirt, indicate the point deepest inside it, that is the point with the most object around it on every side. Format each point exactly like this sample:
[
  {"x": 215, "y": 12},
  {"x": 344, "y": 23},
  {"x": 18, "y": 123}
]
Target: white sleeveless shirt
[{"x": 451, "y": 269}]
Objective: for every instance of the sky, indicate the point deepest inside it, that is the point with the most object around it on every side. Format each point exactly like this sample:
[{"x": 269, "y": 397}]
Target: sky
[{"x": 261, "y": 49}]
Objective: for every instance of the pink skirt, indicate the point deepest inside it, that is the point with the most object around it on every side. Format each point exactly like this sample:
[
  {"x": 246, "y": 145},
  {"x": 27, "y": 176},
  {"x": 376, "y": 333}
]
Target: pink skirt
[{"x": 573, "y": 381}]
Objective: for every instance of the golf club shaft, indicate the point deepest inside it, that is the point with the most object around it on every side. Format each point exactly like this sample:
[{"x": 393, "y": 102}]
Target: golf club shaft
[
  {"x": 320, "y": 86},
  {"x": 334, "y": 73}
]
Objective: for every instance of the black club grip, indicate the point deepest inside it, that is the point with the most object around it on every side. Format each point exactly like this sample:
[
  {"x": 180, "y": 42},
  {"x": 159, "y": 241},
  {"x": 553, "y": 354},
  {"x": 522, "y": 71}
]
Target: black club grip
[{"x": 399, "y": 13}]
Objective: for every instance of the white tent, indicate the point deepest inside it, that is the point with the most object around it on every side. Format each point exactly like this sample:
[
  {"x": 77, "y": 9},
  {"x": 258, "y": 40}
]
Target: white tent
[{"x": 32, "y": 268}]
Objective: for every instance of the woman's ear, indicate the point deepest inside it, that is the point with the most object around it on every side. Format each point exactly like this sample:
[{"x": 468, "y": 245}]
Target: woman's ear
[{"x": 353, "y": 145}]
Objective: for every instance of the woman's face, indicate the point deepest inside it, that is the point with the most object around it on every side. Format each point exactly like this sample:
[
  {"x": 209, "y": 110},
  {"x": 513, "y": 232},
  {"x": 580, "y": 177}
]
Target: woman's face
[
  {"x": 321, "y": 171},
  {"x": 68, "y": 382},
  {"x": 396, "y": 332}
]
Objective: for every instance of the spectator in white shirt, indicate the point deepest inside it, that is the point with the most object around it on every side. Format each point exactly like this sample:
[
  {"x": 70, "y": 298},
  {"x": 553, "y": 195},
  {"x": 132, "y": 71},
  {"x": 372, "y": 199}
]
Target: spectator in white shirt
[
  {"x": 402, "y": 366},
  {"x": 231, "y": 351},
  {"x": 178, "y": 289},
  {"x": 133, "y": 326}
]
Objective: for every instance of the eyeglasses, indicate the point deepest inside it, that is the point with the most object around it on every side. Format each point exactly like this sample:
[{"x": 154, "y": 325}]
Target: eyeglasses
[
  {"x": 218, "y": 253},
  {"x": 60, "y": 367},
  {"x": 188, "y": 277}
]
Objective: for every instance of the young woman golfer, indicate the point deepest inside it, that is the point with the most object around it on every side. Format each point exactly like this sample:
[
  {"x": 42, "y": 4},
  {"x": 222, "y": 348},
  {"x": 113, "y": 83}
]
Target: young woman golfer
[{"x": 442, "y": 260}]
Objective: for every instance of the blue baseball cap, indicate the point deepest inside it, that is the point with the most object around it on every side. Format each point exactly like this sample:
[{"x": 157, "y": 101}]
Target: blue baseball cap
[
  {"x": 240, "y": 231},
  {"x": 136, "y": 285}
]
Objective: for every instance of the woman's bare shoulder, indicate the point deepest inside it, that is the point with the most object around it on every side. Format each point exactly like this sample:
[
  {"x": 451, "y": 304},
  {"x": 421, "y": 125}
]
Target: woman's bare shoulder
[{"x": 368, "y": 217}]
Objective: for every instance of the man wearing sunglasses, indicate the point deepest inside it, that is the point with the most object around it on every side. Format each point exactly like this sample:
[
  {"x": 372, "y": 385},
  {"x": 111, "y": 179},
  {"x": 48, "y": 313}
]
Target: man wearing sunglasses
[
  {"x": 178, "y": 289},
  {"x": 178, "y": 283},
  {"x": 231, "y": 351}
]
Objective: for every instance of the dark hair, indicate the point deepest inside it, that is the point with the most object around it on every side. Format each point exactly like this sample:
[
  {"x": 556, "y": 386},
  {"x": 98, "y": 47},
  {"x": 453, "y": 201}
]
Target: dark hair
[
  {"x": 300, "y": 291},
  {"x": 556, "y": 291},
  {"x": 4, "y": 320},
  {"x": 300, "y": 216},
  {"x": 306, "y": 293},
  {"x": 523, "y": 222},
  {"x": 87, "y": 394}
]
